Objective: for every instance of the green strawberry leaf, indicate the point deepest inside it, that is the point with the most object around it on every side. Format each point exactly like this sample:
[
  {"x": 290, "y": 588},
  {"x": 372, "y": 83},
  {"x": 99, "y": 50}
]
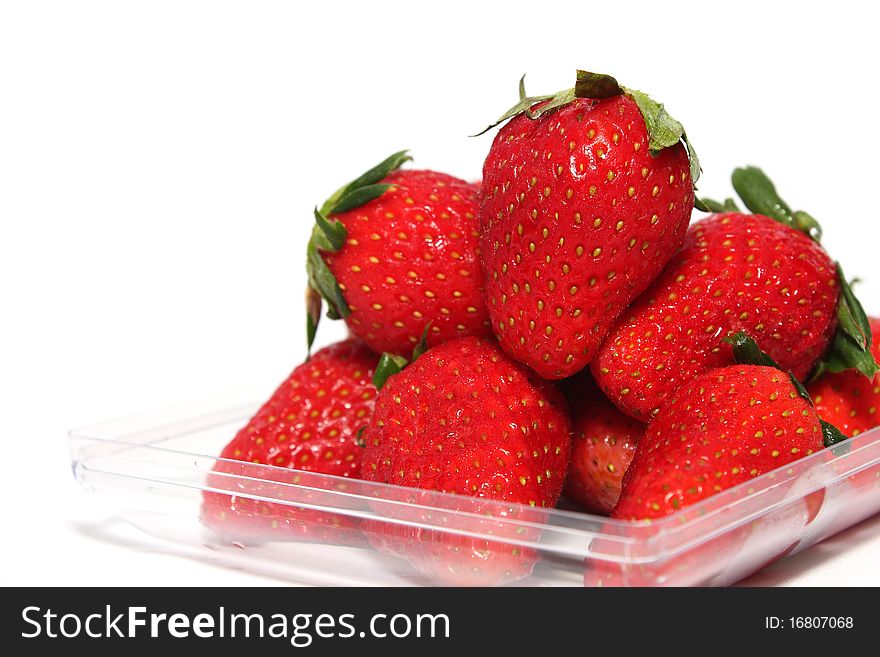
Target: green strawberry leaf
[
  {"x": 369, "y": 177},
  {"x": 360, "y": 196},
  {"x": 711, "y": 205},
  {"x": 852, "y": 316},
  {"x": 832, "y": 435},
  {"x": 313, "y": 316},
  {"x": 851, "y": 345},
  {"x": 524, "y": 104},
  {"x": 322, "y": 285},
  {"x": 334, "y": 231},
  {"x": 560, "y": 99},
  {"x": 328, "y": 235},
  {"x": 700, "y": 204},
  {"x": 422, "y": 346},
  {"x": 323, "y": 282},
  {"x": 359, "y": 437},
  {"x": 663, "y": 130},
  {"x": 389, "y": 365},
  {"x": 806, "y": 223},
  {"x": 696, "y": 169},
  {"x": 747, "y": 352},
  {"x": 759, "y": 194}
]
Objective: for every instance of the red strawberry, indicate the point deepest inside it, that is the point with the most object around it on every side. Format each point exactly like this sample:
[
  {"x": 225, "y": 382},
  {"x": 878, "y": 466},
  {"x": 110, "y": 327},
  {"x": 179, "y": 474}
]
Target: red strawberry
[
  {"x": 725, "y": 427},
  {"x": 734, "y": 272},
  {"x": 722, "y": 428},
  {"x": 395, "y": 251},
  {"x": 848, "y": 400},
  {"x": 465, "y": 419},
  {"x": 310, "y": 424},
  {"x": 602, "y": 447},
  {"x": 583, "y": 205}
]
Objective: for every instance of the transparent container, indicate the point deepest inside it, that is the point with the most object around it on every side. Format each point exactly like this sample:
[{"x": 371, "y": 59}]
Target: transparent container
[{"x": 159, "y": 472}]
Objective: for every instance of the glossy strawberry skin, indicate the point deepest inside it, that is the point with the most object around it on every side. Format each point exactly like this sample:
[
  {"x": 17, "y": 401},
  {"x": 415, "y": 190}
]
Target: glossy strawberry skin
[
  {"x": 603, "y": 445},
  {"x": 467, "y": 420},
  {"x": 725, "y": 427},
  {"x": 311, "y": 421},
  {"x": 577, "y": 218},
  {"x": 411, "y": 257},
  {"x": 309, "y": 424},
  {"x": 734, "y": 272},
  {"x": 848, "y": 400}
]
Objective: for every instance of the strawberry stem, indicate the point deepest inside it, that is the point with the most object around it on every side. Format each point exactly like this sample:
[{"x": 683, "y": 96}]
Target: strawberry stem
[{"x": 596, "y": 85}]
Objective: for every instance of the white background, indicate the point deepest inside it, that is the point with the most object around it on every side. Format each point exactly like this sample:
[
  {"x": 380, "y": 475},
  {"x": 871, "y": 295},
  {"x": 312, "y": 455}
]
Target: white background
[{"x": 159, "y": 162}]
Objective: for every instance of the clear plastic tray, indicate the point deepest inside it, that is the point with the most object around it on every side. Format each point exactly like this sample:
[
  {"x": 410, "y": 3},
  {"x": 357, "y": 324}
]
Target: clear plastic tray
[{"x": 154, "y": 471}]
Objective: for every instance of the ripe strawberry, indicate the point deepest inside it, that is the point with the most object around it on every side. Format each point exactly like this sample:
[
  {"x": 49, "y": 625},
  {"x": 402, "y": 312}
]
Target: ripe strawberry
[
  {"x": 602, "y": 447},
  {"x": 310, "y": 424},
  {"x": 847, "y": 399},
  {"x": 724, "y": 427},
  {"x": 586, "y": 196},
  {"x": 465, "y": 419},
  {"x": 735, "y": 272},
  {"x": 395, "y": 251}
]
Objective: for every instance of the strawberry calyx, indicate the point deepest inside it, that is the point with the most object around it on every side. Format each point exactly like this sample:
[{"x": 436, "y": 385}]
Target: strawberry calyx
[
  {"x": 831, "y": 435},
  {"x": 328, "y": 235},
  {"x": 391, "y": 364},
  {"x": 747, "y": 352},
  {"x": 759, "y": 194},
  {"x": 851, "y": 346},
  {"x": 663, "y": 130},
  {"x": 710, "y": 205}
]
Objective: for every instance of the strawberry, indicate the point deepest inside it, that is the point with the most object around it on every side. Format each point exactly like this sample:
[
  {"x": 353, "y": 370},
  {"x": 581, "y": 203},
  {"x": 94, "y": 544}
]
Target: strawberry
[
  {"x": 394, "y": 251},
  {"x": 586, "y": 196},
  {"x": 848, "y": 400},
  {"x": 310, "y": 424},
  {"x": 724, "y": 427},
  {"x": 465, "y": 419},
  {"x": 767, "y": 276},
  {"x": 603, "y": 444}
]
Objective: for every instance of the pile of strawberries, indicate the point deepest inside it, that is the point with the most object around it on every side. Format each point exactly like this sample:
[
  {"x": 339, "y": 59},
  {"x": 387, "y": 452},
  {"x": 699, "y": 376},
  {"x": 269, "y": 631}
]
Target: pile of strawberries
[{"x": 561, "y": 329}]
